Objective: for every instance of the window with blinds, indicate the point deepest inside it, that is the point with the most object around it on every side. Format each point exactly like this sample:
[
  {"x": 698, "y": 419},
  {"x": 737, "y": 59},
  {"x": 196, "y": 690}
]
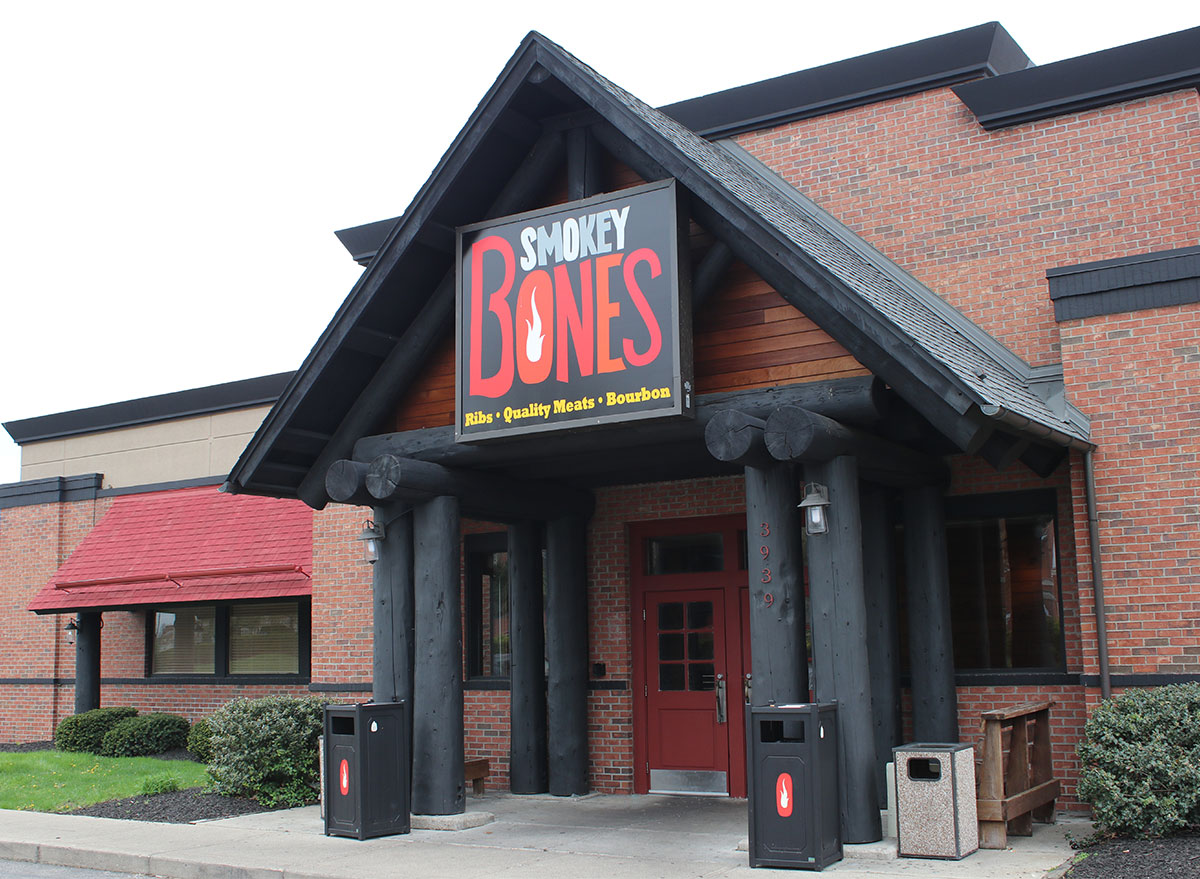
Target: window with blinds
[
  {"x": 264, "y": 638},
  {"x": 184, "y": 641}
]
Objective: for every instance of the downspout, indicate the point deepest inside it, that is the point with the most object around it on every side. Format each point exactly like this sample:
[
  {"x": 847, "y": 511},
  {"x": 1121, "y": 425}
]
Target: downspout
[{"x": 1089, "y": 479}]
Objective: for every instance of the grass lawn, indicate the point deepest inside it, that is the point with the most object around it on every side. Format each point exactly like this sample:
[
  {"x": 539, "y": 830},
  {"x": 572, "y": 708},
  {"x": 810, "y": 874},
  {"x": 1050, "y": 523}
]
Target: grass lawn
[{"x": 58, "y": 781}]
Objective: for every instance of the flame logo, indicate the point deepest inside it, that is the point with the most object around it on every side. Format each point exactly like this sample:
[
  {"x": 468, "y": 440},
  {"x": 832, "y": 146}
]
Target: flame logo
[{"x": 533, "y": 342}]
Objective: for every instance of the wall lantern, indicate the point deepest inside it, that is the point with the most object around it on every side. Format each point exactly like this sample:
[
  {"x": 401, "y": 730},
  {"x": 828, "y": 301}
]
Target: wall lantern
[
  {"x": 371, "y": 537},
  {"x": 816, "y": 508},
  {"x": 71, "y": 628}
]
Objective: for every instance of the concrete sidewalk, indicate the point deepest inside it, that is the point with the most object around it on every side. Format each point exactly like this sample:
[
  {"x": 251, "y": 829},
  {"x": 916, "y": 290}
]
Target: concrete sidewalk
[{"x": 593, "y": 836}]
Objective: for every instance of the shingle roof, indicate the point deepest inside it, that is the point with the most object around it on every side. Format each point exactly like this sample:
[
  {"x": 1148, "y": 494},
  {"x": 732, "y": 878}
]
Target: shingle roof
[{"x": 187, "y": 545}]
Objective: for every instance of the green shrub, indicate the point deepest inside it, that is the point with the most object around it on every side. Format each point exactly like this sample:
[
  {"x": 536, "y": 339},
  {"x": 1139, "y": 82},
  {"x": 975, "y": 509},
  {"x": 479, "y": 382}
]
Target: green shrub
[
  {"x": 144, "y": 735},
  {"x": 1141, "y": 761},
  {"x": 199, "y": 740},
  {"x": 159, "y": 784},
  {"x": 267, "y": 749},
  {"x": 85, "y": 732}
]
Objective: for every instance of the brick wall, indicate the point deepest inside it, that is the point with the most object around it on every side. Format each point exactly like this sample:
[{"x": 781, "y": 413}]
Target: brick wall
[{"x": 979, "y": 216}]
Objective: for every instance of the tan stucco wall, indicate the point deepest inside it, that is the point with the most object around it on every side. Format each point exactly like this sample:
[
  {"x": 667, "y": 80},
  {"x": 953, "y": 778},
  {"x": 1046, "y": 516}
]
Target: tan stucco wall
[{"x": 186, "y": 448}]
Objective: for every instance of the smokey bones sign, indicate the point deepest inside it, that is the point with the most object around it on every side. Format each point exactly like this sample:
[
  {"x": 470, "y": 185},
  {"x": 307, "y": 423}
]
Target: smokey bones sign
[{"x": 571, "y": 317}]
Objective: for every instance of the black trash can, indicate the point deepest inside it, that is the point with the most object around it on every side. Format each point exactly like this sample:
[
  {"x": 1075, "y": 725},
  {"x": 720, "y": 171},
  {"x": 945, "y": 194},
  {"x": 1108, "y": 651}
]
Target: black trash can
[
  {"x": 792, "y": 771},
  {"x": 367, "y": 783}
]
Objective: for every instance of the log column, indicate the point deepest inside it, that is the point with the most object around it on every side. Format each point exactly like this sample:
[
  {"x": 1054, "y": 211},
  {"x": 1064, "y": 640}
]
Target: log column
[
  {"x": 437, "y": 676},
  {"x": 879, "y": 582},
  {"x": 839, "y": 627},
  {"x": 392, "y": 618},
  {"x": 527, "y": 716},
  {"x": 87, "y": 662},
  {"x": 567, "y": 652},
  {"x": 930, "y": 644},
  {"x": 773, "y": 525}
]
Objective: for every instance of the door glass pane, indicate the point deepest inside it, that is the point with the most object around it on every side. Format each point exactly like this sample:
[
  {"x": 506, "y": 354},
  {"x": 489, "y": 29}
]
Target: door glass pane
[
  {"x": 699, "y": 615},
  {"x": 670, "y": 647},
  {"x": 685, "y": 554},
  {"x": 700, "y": 645},
  {"x": 702, "y": 676},
  {"x": 670, "y": 677},
  {"x": 670, "y": 615}
]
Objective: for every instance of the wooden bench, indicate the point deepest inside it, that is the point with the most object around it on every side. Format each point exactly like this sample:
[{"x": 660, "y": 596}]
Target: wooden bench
[
  {"x": 476, "y": 772},
  {"x": 1015, "y": 785}
]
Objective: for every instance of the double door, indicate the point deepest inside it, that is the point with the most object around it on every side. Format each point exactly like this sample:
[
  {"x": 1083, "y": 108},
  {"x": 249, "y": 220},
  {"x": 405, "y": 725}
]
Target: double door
[{"x": 691, "y": 656}]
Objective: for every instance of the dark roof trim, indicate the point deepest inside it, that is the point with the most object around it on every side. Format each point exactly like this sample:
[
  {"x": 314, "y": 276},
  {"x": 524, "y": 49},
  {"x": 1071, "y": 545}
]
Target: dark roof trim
[
  {"x": 984, "y": 50},
  {"x": 1133, "y": 283},
  {"x": 1150, "y": 67},
  {"x": 364, "y": 241},
  {"x": 145, "y": 410},
  {"x": 52, "y": 490}
]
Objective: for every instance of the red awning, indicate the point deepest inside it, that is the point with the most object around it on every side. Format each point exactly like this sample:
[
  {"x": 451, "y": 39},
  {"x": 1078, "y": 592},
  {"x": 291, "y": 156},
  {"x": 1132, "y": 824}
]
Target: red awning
[{"x": 187, "y": 545}]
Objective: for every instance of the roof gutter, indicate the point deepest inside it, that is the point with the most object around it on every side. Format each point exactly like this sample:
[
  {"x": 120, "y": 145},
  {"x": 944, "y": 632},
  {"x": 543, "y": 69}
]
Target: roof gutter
[{"x": 1028, "y": 425}]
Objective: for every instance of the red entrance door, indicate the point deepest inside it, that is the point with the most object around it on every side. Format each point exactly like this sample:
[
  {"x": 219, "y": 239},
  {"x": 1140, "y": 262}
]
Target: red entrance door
[{"x": 689, "y": 584}]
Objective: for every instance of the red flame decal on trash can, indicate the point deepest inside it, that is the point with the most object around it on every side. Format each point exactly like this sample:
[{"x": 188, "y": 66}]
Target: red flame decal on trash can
[
  {"x": 783, "y": 795},
  {"x": 344, "y": 777}
]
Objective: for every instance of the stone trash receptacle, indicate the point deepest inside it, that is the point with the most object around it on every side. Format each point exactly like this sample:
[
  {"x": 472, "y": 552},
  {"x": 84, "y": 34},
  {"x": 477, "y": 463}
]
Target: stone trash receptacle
[{"x": 935, "y": 801}]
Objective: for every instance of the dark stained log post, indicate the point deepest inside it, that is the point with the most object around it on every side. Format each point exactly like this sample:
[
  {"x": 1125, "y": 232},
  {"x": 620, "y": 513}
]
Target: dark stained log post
[
  {"x": 736, "y": 437},
  {"x": 797, "y": 434},
  {"x": 346, "y": 483},
  {"x": 883, "y": 633},
  {"x": 775, "y": 548},
  {"x": 930, "y": 640},
  {"x": 392, "y": 619},
  {"x": 842, "y": 664},
  {"x": 390, "y": 477},
  {"x": 437, "y": 784},
  {"x": 87, "y": 662},
  {"x": 584, "y": 167},
  {"x": 527, "y": 718},
  {"x": 567, "y": 654}
]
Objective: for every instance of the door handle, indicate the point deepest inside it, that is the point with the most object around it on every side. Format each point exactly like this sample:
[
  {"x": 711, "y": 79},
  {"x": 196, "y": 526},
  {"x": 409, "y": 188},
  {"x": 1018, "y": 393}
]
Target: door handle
[
  {"x": 720, "y": 698},
  {"x": 748, "y": 688}
]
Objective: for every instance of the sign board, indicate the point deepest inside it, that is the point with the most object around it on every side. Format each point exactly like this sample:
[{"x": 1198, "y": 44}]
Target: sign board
[{"x": 574, "y": 316}]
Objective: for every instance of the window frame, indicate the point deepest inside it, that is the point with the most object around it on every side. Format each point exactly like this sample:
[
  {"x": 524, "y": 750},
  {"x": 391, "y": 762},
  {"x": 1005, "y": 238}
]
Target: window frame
[
  {"x": 221, "y": 673},
  {"x": 475, "y": 546},
  {"x": 1010, "y": 505}
]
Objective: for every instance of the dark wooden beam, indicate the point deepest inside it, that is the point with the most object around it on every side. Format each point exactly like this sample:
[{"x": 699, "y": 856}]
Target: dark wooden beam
[
  {"x": 346, "y": 483},
  {"x": 797, "y": 434},
  {"x": 527, "y": 715},
  {"x": 370, "y": 341},
  {"x": 775, "y": 549},
  {"x": 87, "y": 661},
  {"x": 567, "y": 654},
  {"x": 883, "y": 633},
  {"x": 930, "y": 641},
  {"x": 426, "y": 331},
  {"x": 392, "y": 595},
  {"x": 1002, "y": 449},
  {"x": 438, "y": 748},
  {"x": 501, "y": 498},
  {"x": 1043, "y": 460},
  {"x": 708, "y": 273},
  {"x": 860, "y": 400},
  {"x": 737, "y": 438},
  {"x": 584, "y": 169},
  {"x": 839, "y": 627}
]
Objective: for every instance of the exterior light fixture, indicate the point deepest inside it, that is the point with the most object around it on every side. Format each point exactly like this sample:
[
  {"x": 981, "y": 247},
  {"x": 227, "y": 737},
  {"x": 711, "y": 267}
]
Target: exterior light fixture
[
  {"x": 816, "y": 508},
  {"x": 71, "y": 628},
  {"x": 371, "y": 537}
]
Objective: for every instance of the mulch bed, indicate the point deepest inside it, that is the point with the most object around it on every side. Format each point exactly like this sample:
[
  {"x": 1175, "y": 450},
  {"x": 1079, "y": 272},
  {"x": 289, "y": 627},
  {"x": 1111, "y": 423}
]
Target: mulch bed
[
  {"x": 174, "y": 807},
  {"x": 1173, "y": 857}
]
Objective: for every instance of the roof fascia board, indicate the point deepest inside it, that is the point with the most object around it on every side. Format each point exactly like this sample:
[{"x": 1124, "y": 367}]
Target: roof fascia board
[
  {"x": 1149, "y": 67},
  {"x": 935, "y": 62},
  {"x": 244, "y": 394},
  {"x": 377, "y": 273}
]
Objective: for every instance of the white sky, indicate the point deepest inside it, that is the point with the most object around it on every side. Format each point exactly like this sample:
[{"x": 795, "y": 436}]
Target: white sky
[{"x": 171, "y": 174}]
